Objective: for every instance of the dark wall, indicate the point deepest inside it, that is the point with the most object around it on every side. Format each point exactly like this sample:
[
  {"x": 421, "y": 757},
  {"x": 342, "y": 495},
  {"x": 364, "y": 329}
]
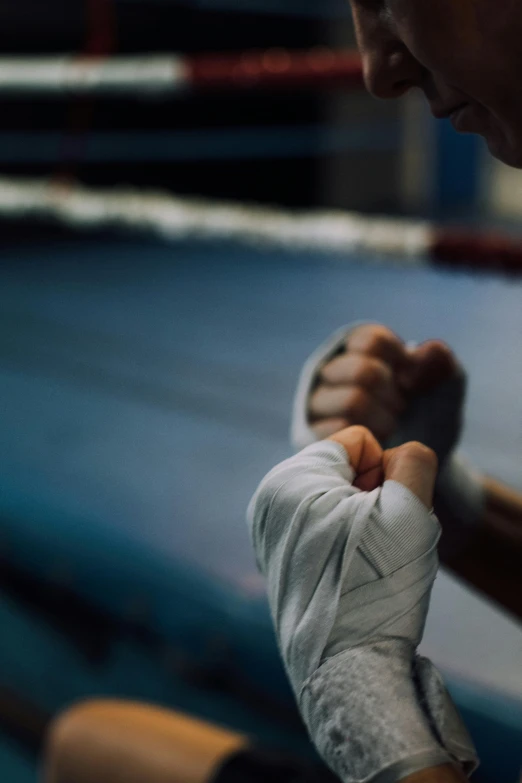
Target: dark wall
[
  {"x": 55, "y": 25},
  {"x": 35, "y": 27},
  {"x": 314, "y": 176}
]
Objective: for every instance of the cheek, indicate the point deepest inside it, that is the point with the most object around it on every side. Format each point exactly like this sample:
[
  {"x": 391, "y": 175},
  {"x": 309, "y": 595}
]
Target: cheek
[
  {"x": 443, "y": 35},
  {"x": 506, "y": 148},
  {"x": 495, "y": 85},
  {"x": 473, "y": 49}
]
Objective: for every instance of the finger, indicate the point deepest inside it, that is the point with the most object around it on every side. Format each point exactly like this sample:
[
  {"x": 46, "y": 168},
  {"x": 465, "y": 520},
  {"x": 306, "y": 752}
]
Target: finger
[
  {"x": 368, "y": 372},
  {"x": 356, "y": 406},
  {"x": 326, "y": 427},
  {"x": 365, "y": 456},
  {"x": 370, "y": 480},
  {"x": 380, "y": 342},
  {"x": 414, "y": 466},
  {"x": 429, "y": 364}
]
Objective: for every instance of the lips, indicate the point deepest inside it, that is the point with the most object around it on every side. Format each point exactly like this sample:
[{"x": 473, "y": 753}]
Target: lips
[
  {"x": 467, "y": 120},
  {"x": 456, "y": 112}
]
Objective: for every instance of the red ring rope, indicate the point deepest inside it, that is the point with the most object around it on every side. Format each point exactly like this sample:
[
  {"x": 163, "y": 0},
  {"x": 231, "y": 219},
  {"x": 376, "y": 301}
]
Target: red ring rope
[{"x": 276, "y": 68}]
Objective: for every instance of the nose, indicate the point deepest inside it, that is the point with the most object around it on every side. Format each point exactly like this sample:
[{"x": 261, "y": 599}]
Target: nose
[
  {"x": 389, "y": 73},
  {"x": 390, "y": 70}
]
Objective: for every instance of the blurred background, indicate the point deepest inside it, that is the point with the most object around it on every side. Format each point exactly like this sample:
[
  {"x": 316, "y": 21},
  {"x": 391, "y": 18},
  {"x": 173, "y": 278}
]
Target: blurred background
[{"x": 149, "y": 352}]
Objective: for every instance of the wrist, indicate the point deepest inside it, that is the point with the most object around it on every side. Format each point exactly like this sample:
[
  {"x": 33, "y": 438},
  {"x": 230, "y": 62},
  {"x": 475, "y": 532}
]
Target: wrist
[
  {"x": 460, "y": 502},
  {"x": 350, "y": 707}
]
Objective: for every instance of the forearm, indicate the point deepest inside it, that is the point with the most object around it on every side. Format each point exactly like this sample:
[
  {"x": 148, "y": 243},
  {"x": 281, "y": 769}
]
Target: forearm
[
  {"x": 506, "y": 503},
  {"x": 491, "y": 560}
]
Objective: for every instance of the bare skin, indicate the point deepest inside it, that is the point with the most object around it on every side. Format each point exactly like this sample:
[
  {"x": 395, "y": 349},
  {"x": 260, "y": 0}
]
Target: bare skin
[
  {"x": 457, "y": 52},
  {"x": 413, "y": 465}
]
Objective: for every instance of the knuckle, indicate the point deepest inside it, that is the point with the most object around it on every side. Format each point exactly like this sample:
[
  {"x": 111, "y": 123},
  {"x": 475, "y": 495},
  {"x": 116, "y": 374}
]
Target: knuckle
[
  {"x": 442, "y": 352},
  {"x": 326, "y": 375},
  {"x": 420, "y": 452},
  {"x": 335, "y": 371},
  {"x": 356, "y": 402},
  {"x": 320, "y": 402},
  {"x": 370, "y": 373},
  {"x": 379, "y": 341},
  {"x": 441, "y": 346},
  {"x": 383, "y": 332},
  {"x": 368, "y": 330},
  {"x": 358, "y": 429}
]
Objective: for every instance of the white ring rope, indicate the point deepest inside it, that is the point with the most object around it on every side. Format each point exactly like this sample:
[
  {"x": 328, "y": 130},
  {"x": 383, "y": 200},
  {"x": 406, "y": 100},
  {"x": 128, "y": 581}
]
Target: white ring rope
[
  {"x": 92, "y": 75},
  {"x": 384, "y": 240},
  {"x": 178, "y": 218}
]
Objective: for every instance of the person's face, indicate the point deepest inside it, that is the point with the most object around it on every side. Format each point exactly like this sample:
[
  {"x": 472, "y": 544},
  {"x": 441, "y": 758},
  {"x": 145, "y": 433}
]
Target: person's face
[{"x": 461, "y": 53}]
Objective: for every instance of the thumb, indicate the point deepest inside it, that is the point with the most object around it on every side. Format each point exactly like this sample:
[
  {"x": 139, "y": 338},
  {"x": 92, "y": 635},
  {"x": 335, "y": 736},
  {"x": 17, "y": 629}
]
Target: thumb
[{"x": 414, "y": 466}]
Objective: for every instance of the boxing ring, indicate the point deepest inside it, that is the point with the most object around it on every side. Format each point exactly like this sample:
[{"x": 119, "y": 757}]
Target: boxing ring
[
  {"x": 149, "y": 351},
  {"x": 147, "y": 387}
]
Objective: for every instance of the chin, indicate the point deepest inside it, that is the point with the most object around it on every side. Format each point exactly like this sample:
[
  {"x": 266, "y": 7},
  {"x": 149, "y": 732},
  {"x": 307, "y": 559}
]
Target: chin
[{"x": 506, "y": 151}]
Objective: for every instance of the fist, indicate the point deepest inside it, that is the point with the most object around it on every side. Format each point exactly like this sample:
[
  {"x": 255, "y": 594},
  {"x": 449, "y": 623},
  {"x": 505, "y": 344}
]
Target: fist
[
  {"x": 324, "y": 526},
  {"x": 413, "y": 465},
  {"x": 398, "y": 392}
]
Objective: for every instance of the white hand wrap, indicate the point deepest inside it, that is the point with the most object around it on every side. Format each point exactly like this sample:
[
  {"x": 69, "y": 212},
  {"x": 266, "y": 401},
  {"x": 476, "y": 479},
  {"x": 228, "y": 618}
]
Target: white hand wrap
[
  {"x": 434, "y": 419},
  {"x": 349, "y": 580},
  {"x": 301, "y": 434}
]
